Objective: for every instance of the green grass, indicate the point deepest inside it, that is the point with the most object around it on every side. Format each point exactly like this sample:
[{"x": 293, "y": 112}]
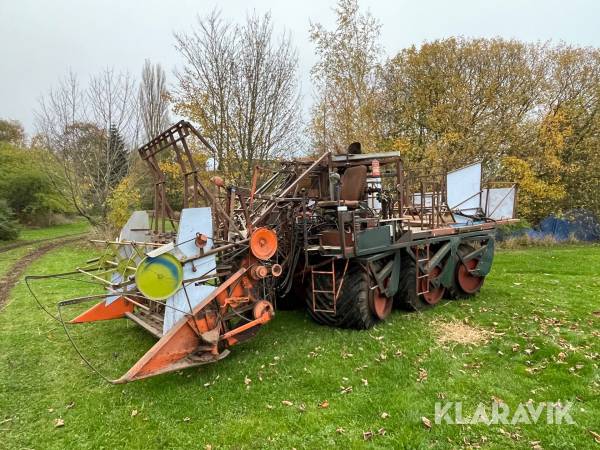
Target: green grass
[
  {"x": 8, "y": 258},
  {"x": 55, "y": 231},
  {"x": 541, "y": 299},
  {"x": 34, "y": 234}
]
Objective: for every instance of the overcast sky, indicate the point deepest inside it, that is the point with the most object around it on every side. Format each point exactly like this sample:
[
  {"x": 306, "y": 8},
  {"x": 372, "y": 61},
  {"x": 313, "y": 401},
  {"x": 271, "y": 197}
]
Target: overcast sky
[{"x": 40, "y": 40}]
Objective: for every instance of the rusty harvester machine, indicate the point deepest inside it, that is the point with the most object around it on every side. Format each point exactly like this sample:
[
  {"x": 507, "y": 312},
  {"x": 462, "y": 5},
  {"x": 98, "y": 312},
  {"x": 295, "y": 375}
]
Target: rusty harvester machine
[{"x": 351, "y": 235}]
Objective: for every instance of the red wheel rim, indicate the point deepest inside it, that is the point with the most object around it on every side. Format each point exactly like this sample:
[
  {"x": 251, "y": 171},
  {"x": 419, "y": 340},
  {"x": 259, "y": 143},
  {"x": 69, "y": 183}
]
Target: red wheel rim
[
  {"x": 468, "y": 282},
  {"x": 382, "y": 305},
  {"x": 434, "y": 295}
]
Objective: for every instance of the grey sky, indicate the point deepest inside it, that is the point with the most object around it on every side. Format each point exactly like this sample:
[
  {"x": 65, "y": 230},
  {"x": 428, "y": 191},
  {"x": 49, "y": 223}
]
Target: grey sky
[{"x": 40, "y": 40}]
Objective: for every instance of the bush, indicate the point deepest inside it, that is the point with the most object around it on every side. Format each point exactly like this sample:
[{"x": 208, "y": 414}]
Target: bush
[
  {"x": 9, "y": 227},
  {"x": 526, "y": 241},
  {"x": 123, "y": 200},
  {"x": 26, "y": 187}
]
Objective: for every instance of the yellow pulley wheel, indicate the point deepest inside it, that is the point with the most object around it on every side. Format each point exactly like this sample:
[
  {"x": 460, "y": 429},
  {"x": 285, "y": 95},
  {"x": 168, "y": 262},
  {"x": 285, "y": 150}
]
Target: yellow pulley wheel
[{"x": 160, "y": 277}]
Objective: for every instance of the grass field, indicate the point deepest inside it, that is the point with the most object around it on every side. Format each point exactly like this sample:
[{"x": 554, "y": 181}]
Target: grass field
[
  {"x": 78, "y": 226},
  {"x": 536, "y": 313},
  {"x": 30, "y": 236}
]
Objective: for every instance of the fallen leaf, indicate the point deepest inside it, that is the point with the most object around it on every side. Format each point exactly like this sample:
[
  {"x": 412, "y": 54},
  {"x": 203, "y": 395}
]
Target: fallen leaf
[
  {"x": 324, "y": 404},
  {"x": 426, "y": 422},
  {"x": 270, "y": 407},
  {"x": 596, "y": 436},
  {"x": 365, "y": 382},
  {"x": 367, "y": 435},
  {"x": 384, "y": 415},
  {"x": 186, "y": 419},
  {"x": 345, "y": 390},
  {"x": 339, "y": 430},
  {"x": 50, "y": 410},
  {"x": 286, "y": 403},
  {"x": 70, "y": 405},
  {"x": 497, "y": 400},
  {"x": 59, "y": 423},
  {"x": 381, "y": 432},
  {"x": 302, "y": 407},
  {"x": 422, "y": 375},
  {"x": 535, "y": 445},
  {"x": 247, "y": 381},
  {"x": 134, "y": 413}
]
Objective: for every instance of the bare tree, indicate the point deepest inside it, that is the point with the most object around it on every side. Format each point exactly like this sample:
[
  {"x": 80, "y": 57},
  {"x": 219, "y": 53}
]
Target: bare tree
[
  {"x": 112, "y": 103},
  {"x": 89, "y": 133},
  {"x": 345, "y": 78},
  {"x": 240, "y": 84},
  {"x": 153, "y": 99}
]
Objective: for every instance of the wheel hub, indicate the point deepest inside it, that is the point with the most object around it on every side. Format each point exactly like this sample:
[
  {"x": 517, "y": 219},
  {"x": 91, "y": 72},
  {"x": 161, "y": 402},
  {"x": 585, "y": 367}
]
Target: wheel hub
[
  {"x": 468, "y": 282},
  {"x": 381, "y": 305},
  {"x": 435, "y": 294}
]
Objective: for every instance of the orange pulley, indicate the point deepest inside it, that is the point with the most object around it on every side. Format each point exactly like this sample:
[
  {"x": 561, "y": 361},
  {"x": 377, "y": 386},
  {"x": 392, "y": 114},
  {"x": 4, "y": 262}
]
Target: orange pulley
[{"x": 263, "y": 243}]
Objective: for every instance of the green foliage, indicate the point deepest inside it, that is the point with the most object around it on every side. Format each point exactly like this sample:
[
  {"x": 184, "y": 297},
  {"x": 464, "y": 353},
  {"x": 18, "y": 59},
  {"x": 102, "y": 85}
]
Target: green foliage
[
  {"x": 25, "y": 184},
  {"x": 123, "y": 200},
  {"x": 9, "y": 227},
  {"x": 117, "y": 150},
  {"x": 12, "y": 131},
  {"x": 346, "y": 79},
  {"x": 529, "y": 112}
]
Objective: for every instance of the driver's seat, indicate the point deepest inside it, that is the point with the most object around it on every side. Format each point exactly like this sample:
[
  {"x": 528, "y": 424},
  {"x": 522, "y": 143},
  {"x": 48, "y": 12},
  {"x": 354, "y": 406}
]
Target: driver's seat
[{"x": 353, "y": 183}]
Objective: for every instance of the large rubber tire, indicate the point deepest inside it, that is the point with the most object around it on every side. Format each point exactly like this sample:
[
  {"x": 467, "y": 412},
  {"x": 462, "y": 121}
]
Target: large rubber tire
[
  {"x": 353, "y": 308},
  {"x": 407, "y": 297},
  {"x": 294, "y": 299},
  {"x": 455, "y": 292}
]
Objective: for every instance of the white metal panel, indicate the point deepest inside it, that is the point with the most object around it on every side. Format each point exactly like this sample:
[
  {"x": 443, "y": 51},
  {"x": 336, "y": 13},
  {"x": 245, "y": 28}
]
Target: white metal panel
[
  {"x": 193, "y": 220},
  {"x": 499, "y": 203},
  {"x": 464, "y": 188},
  {"x": 135, "y": 229}
]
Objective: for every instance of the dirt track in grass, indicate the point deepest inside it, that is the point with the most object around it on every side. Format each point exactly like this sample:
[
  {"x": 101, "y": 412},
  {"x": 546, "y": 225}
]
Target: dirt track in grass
[{"x": 14, "y": 273}]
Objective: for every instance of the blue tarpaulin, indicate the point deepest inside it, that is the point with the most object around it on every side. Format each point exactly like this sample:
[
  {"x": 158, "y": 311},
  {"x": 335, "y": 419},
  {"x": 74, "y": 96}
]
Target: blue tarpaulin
[{"x": 580, "y": 223}]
